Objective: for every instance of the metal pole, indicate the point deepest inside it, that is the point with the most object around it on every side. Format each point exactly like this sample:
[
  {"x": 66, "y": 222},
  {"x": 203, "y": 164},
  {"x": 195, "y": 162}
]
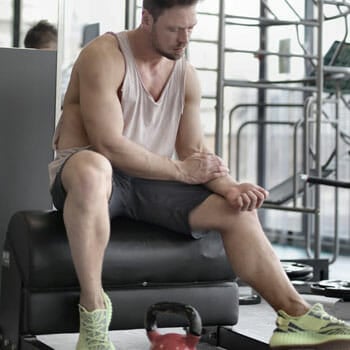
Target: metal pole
[
  {"x": 309, "y": 45},
  {"x": 336, "y": 244},
  {"x": 130, "y": 14},
  {"x": 16, "y": 25},
  {"x": 60, "y": 55},
  {"x": 318, "y": 127},
  {"x": 309, "y": 36},
  {"x": 127, "y": 14},
  {"x": 219, "y": 127},
  {"x": 307, "y": 223},
  {"x": 261, "y": 151}
]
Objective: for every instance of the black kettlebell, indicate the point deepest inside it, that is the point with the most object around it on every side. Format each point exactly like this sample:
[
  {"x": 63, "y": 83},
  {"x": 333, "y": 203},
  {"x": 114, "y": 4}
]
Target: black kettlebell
[{"x": 173, "y": 341}]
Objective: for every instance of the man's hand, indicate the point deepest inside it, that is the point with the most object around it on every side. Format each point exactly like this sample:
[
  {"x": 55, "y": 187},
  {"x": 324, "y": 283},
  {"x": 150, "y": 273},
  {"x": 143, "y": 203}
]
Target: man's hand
[
  {"x": 201, "y": 167},
  {"x": 246, "y": 196}
]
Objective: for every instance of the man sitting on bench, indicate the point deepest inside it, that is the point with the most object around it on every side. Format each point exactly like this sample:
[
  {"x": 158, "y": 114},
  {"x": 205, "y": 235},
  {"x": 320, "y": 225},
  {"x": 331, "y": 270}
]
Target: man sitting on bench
[{"x": 132, "y": 102}]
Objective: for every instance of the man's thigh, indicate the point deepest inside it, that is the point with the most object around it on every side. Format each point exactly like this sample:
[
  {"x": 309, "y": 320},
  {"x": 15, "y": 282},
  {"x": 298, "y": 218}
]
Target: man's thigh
[{"x": 165, "y": 203}]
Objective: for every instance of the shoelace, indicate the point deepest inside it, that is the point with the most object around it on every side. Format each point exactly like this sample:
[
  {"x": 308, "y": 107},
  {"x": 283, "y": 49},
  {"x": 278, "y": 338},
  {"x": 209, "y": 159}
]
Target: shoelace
[
  {"x": 95, "y": 333},
  {"x": 326, "y": 317}
]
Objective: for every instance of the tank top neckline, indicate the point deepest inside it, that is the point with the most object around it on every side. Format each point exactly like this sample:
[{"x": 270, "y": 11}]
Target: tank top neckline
[{"x": 129, "y": 52}]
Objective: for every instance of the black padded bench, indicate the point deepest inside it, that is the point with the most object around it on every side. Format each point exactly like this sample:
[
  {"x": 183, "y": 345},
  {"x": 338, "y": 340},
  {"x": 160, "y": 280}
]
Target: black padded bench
[{"x": 144, "y": 264}]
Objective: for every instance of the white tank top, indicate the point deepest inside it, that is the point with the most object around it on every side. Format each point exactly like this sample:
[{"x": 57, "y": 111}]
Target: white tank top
[{"x": 153, "y": 124}]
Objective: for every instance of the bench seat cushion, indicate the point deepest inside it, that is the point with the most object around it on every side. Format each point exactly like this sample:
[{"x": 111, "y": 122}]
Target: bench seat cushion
[{"x": 138, "y": 254}]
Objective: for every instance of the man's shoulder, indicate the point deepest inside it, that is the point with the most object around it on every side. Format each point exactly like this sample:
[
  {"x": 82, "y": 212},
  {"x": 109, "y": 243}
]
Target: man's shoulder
[
  {"x": 105, "y": 42},
  {"x": 105, "y": 48}
]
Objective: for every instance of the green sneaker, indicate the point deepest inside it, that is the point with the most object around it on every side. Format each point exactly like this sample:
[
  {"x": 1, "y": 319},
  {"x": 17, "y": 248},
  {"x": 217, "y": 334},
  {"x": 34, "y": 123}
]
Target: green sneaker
[
  {"x": 314, "y": 330},
  {"x": 109, "y": 308},
  {"x": 94, "y": 328}
]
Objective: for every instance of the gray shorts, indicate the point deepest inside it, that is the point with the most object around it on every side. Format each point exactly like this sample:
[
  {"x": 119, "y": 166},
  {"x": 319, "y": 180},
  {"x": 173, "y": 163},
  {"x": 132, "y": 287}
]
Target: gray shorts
[{"x": 164, "y": 203}]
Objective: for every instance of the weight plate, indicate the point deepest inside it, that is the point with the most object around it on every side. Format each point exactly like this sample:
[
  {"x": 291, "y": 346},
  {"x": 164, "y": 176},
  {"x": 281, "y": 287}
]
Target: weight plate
[
  {"x": 335, "y": 284},
  {"x": 307, "y": 277},
  {"x": 332, "y": 288},
  {"x": 294, "y": 269}
]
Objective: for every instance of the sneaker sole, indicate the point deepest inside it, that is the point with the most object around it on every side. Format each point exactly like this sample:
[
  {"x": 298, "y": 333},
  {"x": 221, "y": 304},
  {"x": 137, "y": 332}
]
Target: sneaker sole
[{"x": 333, "y": 345}]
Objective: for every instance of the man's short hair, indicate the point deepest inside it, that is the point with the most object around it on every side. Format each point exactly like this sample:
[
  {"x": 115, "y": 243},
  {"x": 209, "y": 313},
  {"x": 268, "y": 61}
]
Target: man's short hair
[
  {"x": 156, "y": 7},
  {"x": 41, "y": 35}
]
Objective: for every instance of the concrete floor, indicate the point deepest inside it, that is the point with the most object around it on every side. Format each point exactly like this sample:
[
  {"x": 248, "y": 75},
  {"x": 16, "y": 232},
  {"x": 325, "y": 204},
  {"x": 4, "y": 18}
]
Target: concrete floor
[
  {"x": 257, "y": 321},
  {"x": 122, "y": 340}
]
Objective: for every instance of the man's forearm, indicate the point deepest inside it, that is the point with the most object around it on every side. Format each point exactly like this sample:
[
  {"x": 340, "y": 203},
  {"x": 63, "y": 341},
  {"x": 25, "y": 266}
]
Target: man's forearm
[
  {"x": 139, "y": 162},
  {"x": 199, "y": 168}
]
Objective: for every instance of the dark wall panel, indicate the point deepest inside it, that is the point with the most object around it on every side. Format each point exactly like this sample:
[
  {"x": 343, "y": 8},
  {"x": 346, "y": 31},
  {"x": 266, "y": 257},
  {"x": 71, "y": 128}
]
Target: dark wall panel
[{"x": 27, "y": 120}]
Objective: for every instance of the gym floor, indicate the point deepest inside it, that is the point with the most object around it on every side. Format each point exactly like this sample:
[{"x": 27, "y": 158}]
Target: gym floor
[{"x": 255, "y": 321}]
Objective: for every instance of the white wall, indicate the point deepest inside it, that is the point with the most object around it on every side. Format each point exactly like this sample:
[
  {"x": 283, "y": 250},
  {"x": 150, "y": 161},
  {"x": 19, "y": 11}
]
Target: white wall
[
  {"x": 73, "y": 16},
  {"x": 109, "y": 13}
]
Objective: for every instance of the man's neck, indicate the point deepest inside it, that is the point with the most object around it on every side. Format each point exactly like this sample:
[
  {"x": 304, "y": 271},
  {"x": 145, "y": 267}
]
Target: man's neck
[{"x": 142, "y": 49}]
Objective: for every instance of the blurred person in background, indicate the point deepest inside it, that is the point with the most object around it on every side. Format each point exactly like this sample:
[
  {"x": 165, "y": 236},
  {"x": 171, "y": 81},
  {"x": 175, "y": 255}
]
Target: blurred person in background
[{"x": 42, "y": 35}]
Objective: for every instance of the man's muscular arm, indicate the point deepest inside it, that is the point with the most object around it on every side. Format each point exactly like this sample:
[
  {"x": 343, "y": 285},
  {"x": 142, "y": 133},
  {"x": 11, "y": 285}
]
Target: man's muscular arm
[
  {"x": 241, "y": 196},
  {"x": 101, "y": 72}
]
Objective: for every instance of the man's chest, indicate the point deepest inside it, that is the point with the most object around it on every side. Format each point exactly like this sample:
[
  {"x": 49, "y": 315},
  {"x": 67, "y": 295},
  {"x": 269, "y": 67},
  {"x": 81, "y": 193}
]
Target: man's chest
[{"x": 155, "y": 80}]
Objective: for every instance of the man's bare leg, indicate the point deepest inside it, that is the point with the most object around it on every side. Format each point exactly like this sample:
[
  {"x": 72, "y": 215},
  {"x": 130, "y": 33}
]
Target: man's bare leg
[
  {"x": 249, "y": 252},
  {"x": 87, "y": 179}
]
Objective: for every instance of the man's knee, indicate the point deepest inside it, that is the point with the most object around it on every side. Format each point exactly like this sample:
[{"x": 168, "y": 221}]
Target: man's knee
[
  {"x": 213, "y": 214},
  {"x": 230, "y": 219},
  {"x": 88, "y": 172}
]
